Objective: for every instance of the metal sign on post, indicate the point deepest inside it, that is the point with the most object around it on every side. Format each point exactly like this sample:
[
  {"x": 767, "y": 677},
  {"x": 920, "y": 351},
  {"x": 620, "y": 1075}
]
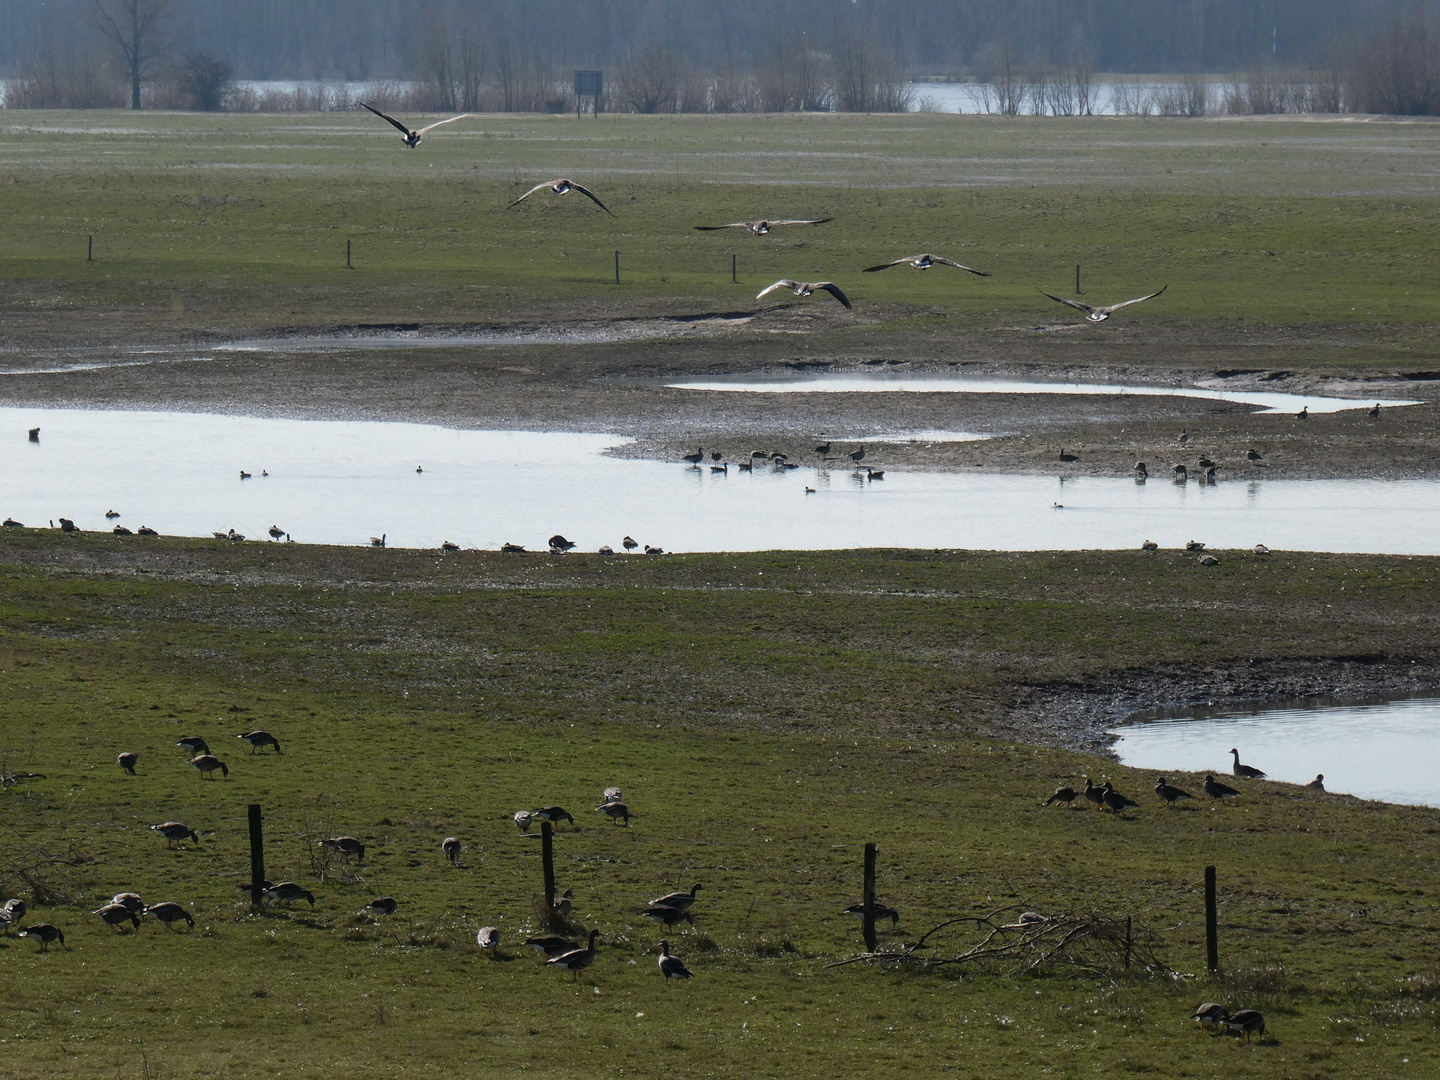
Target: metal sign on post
[{"x": 589, "y": 84}]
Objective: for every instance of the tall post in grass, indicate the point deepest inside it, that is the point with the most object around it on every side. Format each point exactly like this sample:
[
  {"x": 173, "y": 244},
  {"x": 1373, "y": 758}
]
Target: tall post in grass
[
  {"x": 1077, "y": 279},
  {"x": 547, "y": 861},
  {"x": 90, "y": 249},
  {"x": 734, "y": 280},
  {"x": 1212, "y": 926},
  {"x": 257, "y": 856},
  {"x": 871, "y": 942},
  {"x": 347, "y": 254},
  {"x": 617, "y": 268}
]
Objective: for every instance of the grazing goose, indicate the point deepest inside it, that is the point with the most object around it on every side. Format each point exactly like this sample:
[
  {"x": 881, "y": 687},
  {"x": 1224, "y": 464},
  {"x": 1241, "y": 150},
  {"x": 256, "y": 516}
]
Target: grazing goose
[
  {"x": 760, "y": 228},
  {"x": 11, "y": 523},
  {"x": 629, "y": 543},
  {"x": 559, "y": 545},
  {"x": 1246, "y": 1022},
  {"x": 34, "y": 434},
  {"x": 289, "y": 891},
  {"x": 121, "y": 530},
  {"x": 523, "y": 819},
  {"x": 672, "y": 967},
  {"x": 576, "y": 960},
  {"x": 1214, "y": 790},
  {"x": 378, "y": 541},
  {"x": 115, "y": 914},
  {"x": 1211, "y": 1015},
  {"x": 169, "y": 912},
  {"x": 615, "y": 810},
  {"x": 265, "y": 886},
  {"x": 447, "y": 545},
  {"x": 677, "y": 900},
  {"x": 128, "y": 761},
  {"x": 561, "y": 187},
  {"x": 44, "y": 933},
  {"x": 1211, "y": 474},
  {"x": 882, "y": 911},
  {"x": 924, "y": 262},
  {"x": 195, "y": 744},
  {"x": 488, "y": 938},
  {"x": 553, "y": 814},
  {"x": 412, "y": 138},
  {"x": 1169, "y": 792},
  {"x": 1095, "y": 794},
  {"x": 259, "y": 739},
  {"x": 696, "y": 458},
  {"x": 1194, "y": 545},
  {"x": 654, "y": 550},
  {"x": 805, "y": 288},
  {"x": 1149, "y": 545},
  {"x": 1261, "y": 549},
  {"x": 1205, "y": 463},
  {"x": 1068, "y": 457},
  {"x": 275, "y": 532},
  {"x": 1318, "y": 784},
  {"x": 207, "y": 764},
  {"x": 612, "y": 794},
  {"x": 129, "y": 900},
  {"x": 1246, "y": 771},
  {"x": 664, "y": 913},
  {"x": 1027, "y": 920},
  {"x": 1064, "y": 795},
  {"x": 383, "y": 905},
  {"x": 175, "y": 831},
  {"x": 344, "y": 846},
  {"x": 15, "y": 908},
  {"x": 1100, "y": 314},
  {"x": 1209, "y": 560},
  {"x": 1116, "y": 802},
  {"x": 452, "y": 847},
  {"x": 512, "y": 549},
  {"x": 552, "y": 944}
]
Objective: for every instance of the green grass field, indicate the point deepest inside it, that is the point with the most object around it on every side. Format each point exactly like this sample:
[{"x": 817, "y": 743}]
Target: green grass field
[{"x": 766, "y": 715}]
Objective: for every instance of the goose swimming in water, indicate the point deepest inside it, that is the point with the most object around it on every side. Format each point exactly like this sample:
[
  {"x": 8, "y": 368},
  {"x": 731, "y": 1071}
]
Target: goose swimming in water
[
  {"x": 378, "y": 541},
  {"x": 924, "y": 262},
  {"x": 760, "y": 228},
  {"x": 412, "y": 137},
  {"x": 1100, "y": 314},
  {"x": 560, "y": 187},
  {"x": 805, "y": 288}
]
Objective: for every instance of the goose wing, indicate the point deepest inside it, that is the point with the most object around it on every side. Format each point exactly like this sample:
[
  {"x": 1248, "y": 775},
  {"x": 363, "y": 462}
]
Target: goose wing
[
  {"x": 1126, "y": 303},
  {"x": 384, "y": 116},
  {"x": 730, "y": 225},
  {"x": 783, "y": 283},
  {"x": 799, "y": 221},
  {"x": 833, "y": 290},
  {"x": 591, "y": 196},
  {"x": 532, "y": 191},
  {"x": 432, "y": 127},
  {"x": 886, "y": 266},
  {"x": 958, "y": 266},
  {"x": 1078, "y": 305}
]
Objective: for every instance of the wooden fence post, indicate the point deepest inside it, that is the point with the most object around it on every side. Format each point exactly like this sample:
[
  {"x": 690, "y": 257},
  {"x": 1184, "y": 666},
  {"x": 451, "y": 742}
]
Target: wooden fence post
[
  {"x": 90, "y": 249},
  {"x": 347, "y": 255},
  {"x": 617, "y": 268},
  {"x": 871, "y": 942},
  {"x": 1212, "y": 926},
  {"x": 257, "y": 857},
  {"x": 734, "y": 279},
  {"x": 547, "y": 860}
]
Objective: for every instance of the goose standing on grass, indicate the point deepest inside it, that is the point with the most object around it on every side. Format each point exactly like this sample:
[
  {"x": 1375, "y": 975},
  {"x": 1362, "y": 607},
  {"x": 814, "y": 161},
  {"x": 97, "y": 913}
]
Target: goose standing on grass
[
  {"x": 1209, "y": 560},
  {"x": 130, "y": 900},
  {"x": 207, "y": 764},
  {"x": 412, "y": 137},
  {"x": 488, "y": 938},
  {"x": 128, "y": 761},
  {"x": 44, "y": 933},
  {"x": 1169, "y": 792},
  {"x": 805, "y": 288},
  {"x": 1303, "y": 414},
  {"x": 121, "y": 530},
  {"x": 629, "y": 543},
  {"x": 1116, "y": 802},
  {"x": 115, "y": 914},
  {"x": 1253, "y": 455},
  {"x": 1194, "y": 545},
  {"x": 1245, "y": 770},
  {"x": 553, "y": 814},
  {"x": 1211, "y": 1015},
  {"x": 175, "y": 831},
  {"x": 1216, "y": 791},
  {"x": 1261, "y": 549},
  {"x": 552, "y": 944},
  {"x": 882, "y": 911},
  {"x": 169, "y": 912},
  {"x": 1100, "y": 314},
  {"x": 275, "y": 532},
  {"x": 672, "y": 967},
  {"x": 1095, "y": 794},
  {"x": 615, "y": 810},
  {"x": 383, "y": 905},
  {"x": 561, "y": 187},
  {"x": 1149, "y": 545},
  {"x": 195, "y": 744},
  {"x": 677, "y": 900},
  {"x": 924, "y": 262},
  {"x": 258, "y": 740},
  {"x": 760, "y": 228},
  {"x": 576, "y": 960},
  {"x": 654, "y": 550},
  {"x": 345, "y": 846},
  {"x": 447, "y": 545},
  {"x": 452, "y": 847},
  {"x": 1064, "y": 795},
  {"x": 666, "y": 915},
  {"x": 1374, "y": 413},
  {"x": 1246, "y": 1022},
  {"x": 288, "y": 892},
  {"x": 11, "y": 523},
  {"x": 1318, "y": 784},
  {"x": 522, "y": 820}
]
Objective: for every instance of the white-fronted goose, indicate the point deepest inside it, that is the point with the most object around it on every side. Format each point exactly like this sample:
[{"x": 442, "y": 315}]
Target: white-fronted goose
[
  {"x": 677, "y": 900},
  {"x": 44, "y": 933},
  {"x": 1214, "y": 790},
  {"x": 289, "y": 891},
  {"x": 128, "y": 761},
  {"x": 1095, "y": 794},
  {"x": 195, "y": 744},
  {"x": 805, "y": 288},
  {"x": 1318, "y": 784},
  {"x": 258, "y": 740},
  {"x": 666, "y": 915},
  {"x": 452, "y": 847},
  {"x": 1116, "y": 802},
  {"x": 522, "y": 820},
  {"x": 130, "y": 900},
  {"x": 561, "y": 187},
  {"x": 760, "y": 228},
  {"x": 1064, "y": 795},
  {"x": 672, "y": 967},
  {"x": 1096, "y": 314},
  {"x": 383, "y": 905},
  {"x": 576, "y": 960},
  {"x": 552, "y": 944},
  {"x": 344, "y": 846},
  {"x": 169, "y": 912},
  {"x": 115, "y": 914},
  {"x": 882, "y": 911},
  {"x": 874, "y": 474},
  {"x": 615, "y": 810},
  {"x": 1169, "y": 792},
  {"x": 412, "y": 137},
  {"x": 553, "y": 814},
  {"x": 924, "y": 262},
  {"x": 15, "y": 908},
  {"x": 1246, "y": 1022},
  {"x": 207, "y": 764},
  {"x": 696, "y": 458},
  {"x": 1245, "y": 770},
  {"x": 174, "y": 831},
  {"x": 1211, "y": 1015}
]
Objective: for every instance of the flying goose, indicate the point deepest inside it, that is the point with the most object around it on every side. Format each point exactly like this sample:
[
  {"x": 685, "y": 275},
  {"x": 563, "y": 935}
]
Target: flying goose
[
  {"x": 128, "y": 761},
  {"x": 560, "y": 187},
  {"x": 1115, "y": 801},
  {"x": 760, "y": 228},
  {"x": 1100, "y": 314},
  {"x": 559, "y": 545},
  {"x": 924, "y": 262},
  {"x": 1214, "y": 790},
  {"x": 344, "y": 846},
  {"x": 552, "y": 944},
  {"x": 553, "y": 814},
  {"x": 259, "y": 739},
  {"x": 129, "y": 900},
  {"x": 1246, "y": 1022},
  {"x": 169, "y": 912},
  {"x": 452, "y": 847},
  {"x": 207, "y": 764},
  {"x": 1169, "y": 792},
  {"x": 1211, "y": 1015},
  {"x": 805, "y": 288},
  {"x": 1318, "y": 784},
  {"x": 1064, "y": 795},
  {"x": 412, "y": 138},
  {"x": 195, "y": 744},
  {"x": 614, "y": 809},
  {"x": 1246, "y": 771},
  {"x": 289, "y": 891},
  {"x": 672, "y": 967},
  {"x": 882, "y": 911},
  {"x": 576, "y": 960},
  {"x": 677, "y": 900},
  {"x": 44, "y": 933},
  {"x": 488, "y": 938},
  {"x": 115, "y": 914},
  {"x": 174, "y": 831}
]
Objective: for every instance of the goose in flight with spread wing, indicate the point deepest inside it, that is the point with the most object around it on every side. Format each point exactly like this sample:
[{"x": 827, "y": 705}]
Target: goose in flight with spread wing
[
  {"x": 412, "y": 136},
  {"x": 560, "y": 187},
  {"x": 760, "y": 228},
  {"x": 924, "y": 262},
  {"x": 805, "y": 288},
  {"x": 1100, "y": 314}
]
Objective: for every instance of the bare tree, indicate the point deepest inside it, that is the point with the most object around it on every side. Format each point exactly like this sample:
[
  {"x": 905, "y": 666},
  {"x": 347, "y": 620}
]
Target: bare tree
[
  {"x": 208, "y": 80},
  {"x": 650, "y": 79},
  {"x": 1002, "y": 70},
  {"x": 137, "y": 28},
  {"x": 1397, "y": 71}
]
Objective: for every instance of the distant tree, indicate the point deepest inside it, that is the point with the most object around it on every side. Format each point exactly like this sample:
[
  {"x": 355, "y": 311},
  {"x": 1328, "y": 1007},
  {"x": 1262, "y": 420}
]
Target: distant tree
[
  {"x": 1397, "y": 71},
  {"x": 137, "y": 28},
  {"x": 649, "y": 79},
  {"x": 209, "y": 80}
]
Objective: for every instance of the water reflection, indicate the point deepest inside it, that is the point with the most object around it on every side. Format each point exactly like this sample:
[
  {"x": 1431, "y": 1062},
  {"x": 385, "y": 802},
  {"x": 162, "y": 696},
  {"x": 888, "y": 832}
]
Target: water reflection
[
  {"x": 342, "y": 482},
  {"x": 1388, "y": 750}
]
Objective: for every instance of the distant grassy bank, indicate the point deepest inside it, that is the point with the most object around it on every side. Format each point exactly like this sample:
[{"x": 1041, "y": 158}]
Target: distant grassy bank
[{"x": 765, "y": 715}]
